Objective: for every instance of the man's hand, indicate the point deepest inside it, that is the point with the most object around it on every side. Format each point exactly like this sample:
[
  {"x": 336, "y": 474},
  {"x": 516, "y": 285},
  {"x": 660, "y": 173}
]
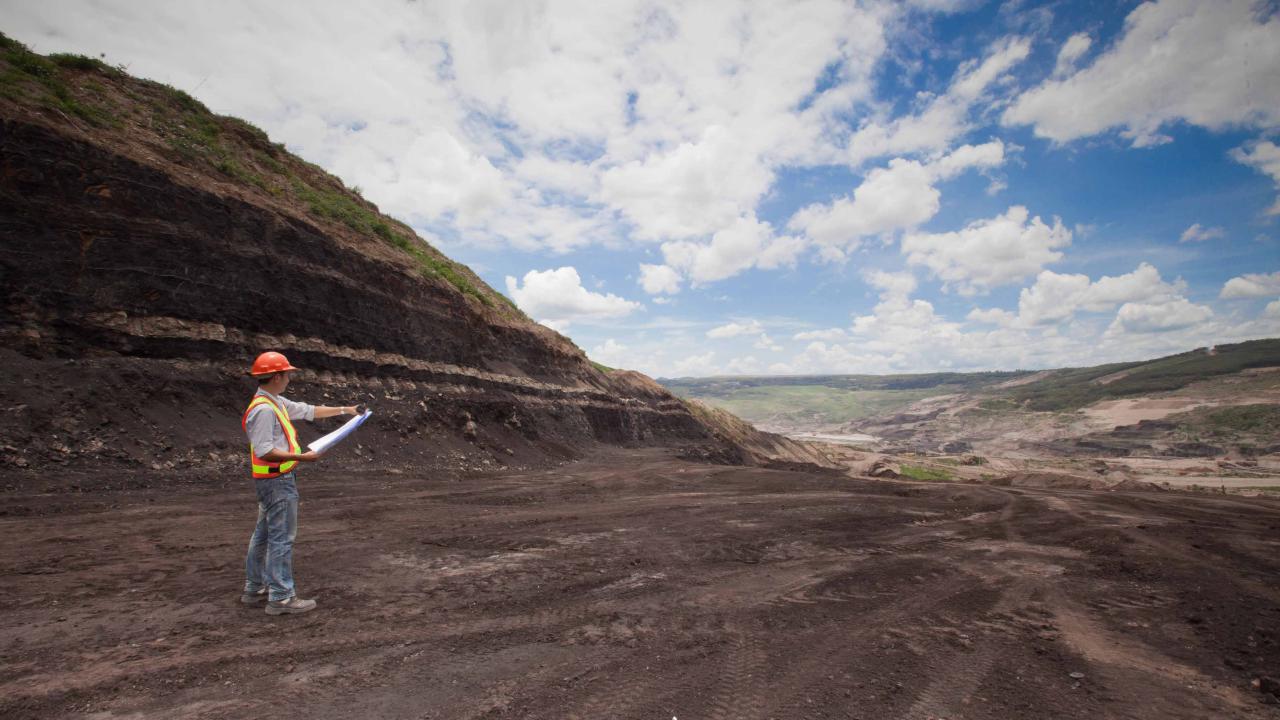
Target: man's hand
[{"x": 311, "y": 456}]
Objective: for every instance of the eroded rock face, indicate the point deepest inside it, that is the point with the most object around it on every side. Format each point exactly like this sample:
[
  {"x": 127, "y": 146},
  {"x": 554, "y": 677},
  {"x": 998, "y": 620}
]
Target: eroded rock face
[
  {"x": 160, "y": 291},
  {"x": 89, "y": 234}
]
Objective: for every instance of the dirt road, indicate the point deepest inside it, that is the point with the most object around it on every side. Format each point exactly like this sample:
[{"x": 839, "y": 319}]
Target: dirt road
[{"x": 635, "y": 585}]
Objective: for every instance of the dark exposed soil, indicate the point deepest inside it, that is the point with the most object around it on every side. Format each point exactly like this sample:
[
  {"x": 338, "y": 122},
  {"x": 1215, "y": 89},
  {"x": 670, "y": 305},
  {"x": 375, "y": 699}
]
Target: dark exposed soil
[{"x": 636, "y": 585}]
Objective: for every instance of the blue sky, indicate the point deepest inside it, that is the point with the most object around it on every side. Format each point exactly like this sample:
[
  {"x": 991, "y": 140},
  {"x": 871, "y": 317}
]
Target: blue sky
[{"x": 714, "y": 187}]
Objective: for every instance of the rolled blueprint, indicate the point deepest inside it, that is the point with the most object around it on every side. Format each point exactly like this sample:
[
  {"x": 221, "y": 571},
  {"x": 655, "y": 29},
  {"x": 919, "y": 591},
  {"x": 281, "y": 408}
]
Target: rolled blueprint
[{"x": 324, "y": 443}]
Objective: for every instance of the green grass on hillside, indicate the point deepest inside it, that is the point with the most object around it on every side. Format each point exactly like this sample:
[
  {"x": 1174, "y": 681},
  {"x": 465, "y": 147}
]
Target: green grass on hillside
[
  {"x": 827, "y": 399},
  {"x": 1239, "y": 423},
  {"x": 348, "y": 209},
  {"x": 951, "y": 381},
  {"x": 928, "y": 474},
  {"x": 1245, "y": 418},
  {"x": 1077, "y": 387},
  {"x": 33, "y": 77},
  {"x": 813, "y": 404}
]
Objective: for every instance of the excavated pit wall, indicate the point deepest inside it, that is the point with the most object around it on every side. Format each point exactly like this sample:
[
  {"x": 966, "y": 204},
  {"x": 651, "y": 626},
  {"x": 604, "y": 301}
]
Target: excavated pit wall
[{"x": 133, "y": 302}]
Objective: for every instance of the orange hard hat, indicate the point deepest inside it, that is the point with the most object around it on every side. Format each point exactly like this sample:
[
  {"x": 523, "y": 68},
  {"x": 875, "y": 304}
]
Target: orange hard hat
[{"x": 269, "y": 363}]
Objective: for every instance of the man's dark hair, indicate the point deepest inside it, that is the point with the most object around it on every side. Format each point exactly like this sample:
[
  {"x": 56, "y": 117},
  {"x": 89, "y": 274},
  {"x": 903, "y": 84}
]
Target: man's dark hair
[{"x": 264, "y": 379}]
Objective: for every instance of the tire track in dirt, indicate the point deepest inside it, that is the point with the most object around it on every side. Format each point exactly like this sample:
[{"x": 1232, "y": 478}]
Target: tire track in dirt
[
  {"x": 1212, "y": 566},
  {"x": 960, "y": 674},
  {"x": 1123, "y": 656},
  {"x": 739, "y": 693},
  {"x": 813, "y": 659},
  {"x": 812, "y": 655},
  {"x": 111, "y": 669},
  {"x": 1112, "y": 657},
  {"x": 623, "y": 692}
]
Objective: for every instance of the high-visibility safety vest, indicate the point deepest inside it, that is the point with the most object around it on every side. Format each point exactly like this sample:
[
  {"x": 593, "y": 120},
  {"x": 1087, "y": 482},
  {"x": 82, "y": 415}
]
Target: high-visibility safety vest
[{"x": 263, "y": 468}]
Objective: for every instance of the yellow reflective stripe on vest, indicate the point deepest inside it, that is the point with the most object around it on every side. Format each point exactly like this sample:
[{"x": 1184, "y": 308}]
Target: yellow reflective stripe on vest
[{"x": 291, "y": 436}]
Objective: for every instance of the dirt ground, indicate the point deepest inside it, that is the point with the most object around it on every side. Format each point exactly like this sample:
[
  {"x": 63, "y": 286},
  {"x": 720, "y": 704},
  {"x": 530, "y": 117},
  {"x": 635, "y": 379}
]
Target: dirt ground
[{"x": 635, "y": 585}]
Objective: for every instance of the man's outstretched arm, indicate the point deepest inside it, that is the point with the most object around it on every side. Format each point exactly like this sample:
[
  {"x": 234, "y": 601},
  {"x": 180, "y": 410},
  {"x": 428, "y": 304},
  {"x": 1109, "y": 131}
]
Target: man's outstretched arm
[{"x": 324, "y": 411}]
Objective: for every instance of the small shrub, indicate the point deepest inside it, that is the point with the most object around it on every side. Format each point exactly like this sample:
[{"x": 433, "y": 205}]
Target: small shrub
[
  {"x": 182, "y": 100},
  {"x": 383, "y": 230},
  {"x": 247, "y": 130},
  {"x": 84, "y": 63},
  {"x": 435, "y": 267},
  {"x": 272, "y": 164},
  {"x": 32, "y": 64},
  {"x": 230, "y": 167}
]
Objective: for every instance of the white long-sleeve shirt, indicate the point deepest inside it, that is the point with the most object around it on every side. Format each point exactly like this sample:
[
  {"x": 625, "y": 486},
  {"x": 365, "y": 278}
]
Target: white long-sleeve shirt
[{"x": 265, "y": 433}]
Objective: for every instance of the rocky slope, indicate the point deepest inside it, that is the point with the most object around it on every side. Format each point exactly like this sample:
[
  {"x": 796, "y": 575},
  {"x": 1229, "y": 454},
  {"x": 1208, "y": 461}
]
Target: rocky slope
[{"x": 149, "y": 249}]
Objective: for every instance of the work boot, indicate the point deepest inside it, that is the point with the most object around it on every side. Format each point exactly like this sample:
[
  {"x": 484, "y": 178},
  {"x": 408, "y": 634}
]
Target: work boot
[
  {"x": 291, "y": 606},
  {"x": 256, "y": 598}
]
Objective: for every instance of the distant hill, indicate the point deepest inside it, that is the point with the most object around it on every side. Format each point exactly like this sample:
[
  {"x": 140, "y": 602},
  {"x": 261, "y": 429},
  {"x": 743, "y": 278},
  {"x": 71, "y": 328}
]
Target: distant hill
[
  {"x": 1071, "y": 388},
  {"x": 808, "y": 402}
]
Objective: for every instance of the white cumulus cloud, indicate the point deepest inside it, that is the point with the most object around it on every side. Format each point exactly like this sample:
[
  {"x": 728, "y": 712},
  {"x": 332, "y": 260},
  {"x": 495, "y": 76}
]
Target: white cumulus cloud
[
  {"x": 1211, "y": 64},
  {"x": 1155, "y": 318},
  {"x": 1265, "y": 158},
  {"x": 899, "y": 196},
  {"x": 1251, "y": 286},
  {"x": 611, "y": 353},
  {"x": 992, "y": 316},
  {"x": 889, "y": 199},
  {"x": 659, "y": 279},
  {"x": 557, "y": 298},
  {"x": 1055, "y": 297},
  {"x": 741, "y": 245},
  {"x": 989, "y": 253},
  {"x": 694, "y": 190}
]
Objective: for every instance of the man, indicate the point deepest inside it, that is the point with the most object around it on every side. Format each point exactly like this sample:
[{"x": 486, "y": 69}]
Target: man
[{"x": 274, "y": 450}]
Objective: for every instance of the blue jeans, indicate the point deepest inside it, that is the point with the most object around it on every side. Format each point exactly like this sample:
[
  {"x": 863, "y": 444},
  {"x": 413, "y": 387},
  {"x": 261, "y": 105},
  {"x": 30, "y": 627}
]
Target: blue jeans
[{"x": 270, "y": 558}]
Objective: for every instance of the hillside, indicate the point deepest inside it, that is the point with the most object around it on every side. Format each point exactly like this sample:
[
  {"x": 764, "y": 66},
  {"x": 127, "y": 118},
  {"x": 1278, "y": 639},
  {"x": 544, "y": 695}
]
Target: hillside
[
  {"x": 821, "y": 401},
  {"x": 818, "y": 402},
  {"x": 1206, "y": 417},
  {"x": 149, "y": 249}
]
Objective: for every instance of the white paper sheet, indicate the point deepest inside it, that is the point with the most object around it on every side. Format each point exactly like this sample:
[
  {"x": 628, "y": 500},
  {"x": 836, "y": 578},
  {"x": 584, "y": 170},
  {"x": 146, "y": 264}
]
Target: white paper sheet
[{"x": 323, "y": 444}]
